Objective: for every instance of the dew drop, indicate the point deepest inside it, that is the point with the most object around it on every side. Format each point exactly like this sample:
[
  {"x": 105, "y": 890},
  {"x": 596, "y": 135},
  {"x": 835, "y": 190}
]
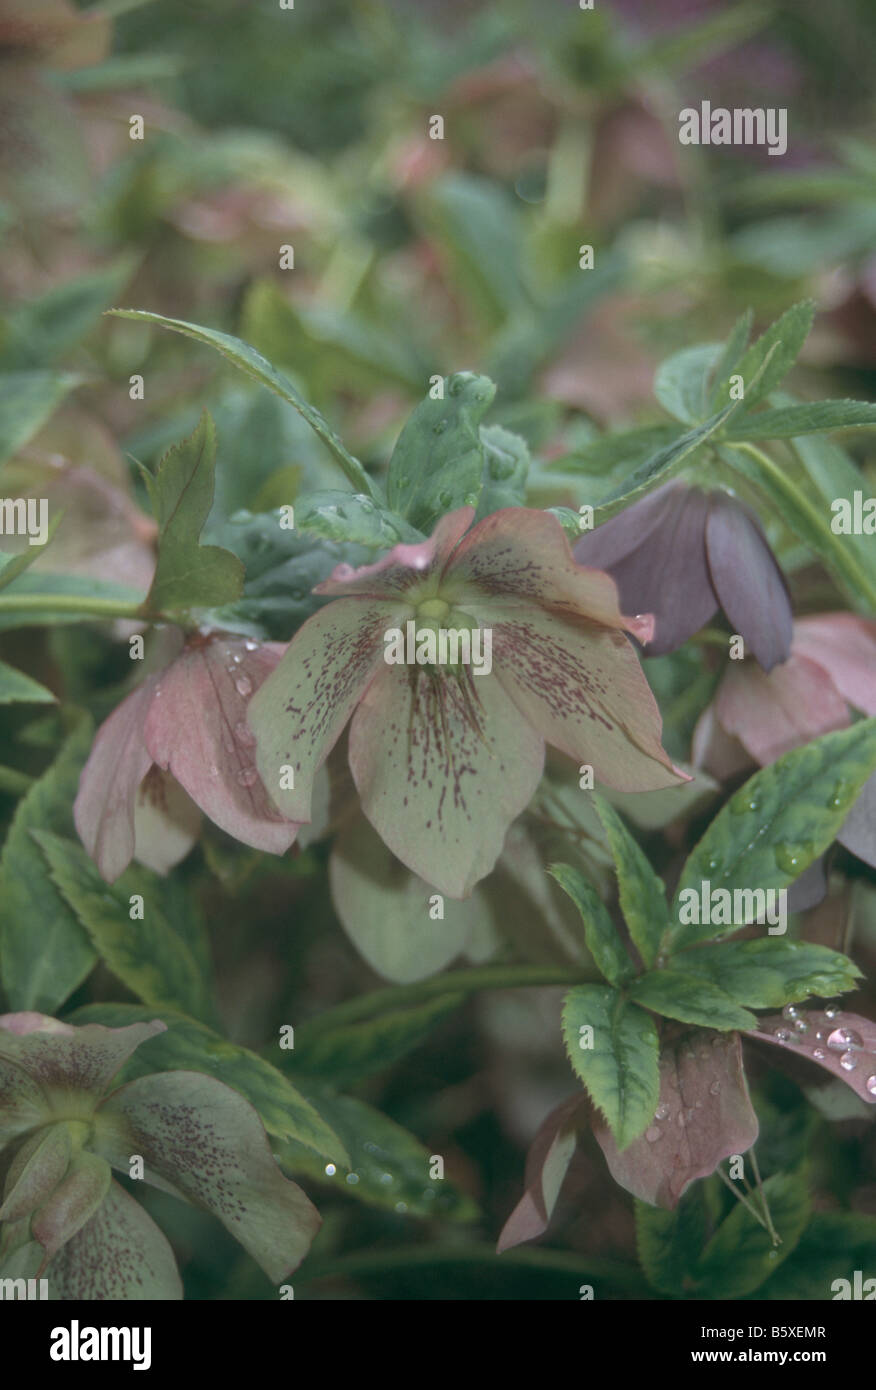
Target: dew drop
[
  {"x": 848, "y": 1061},
  {"x": 831, "y": 1011},
  {"x": 330, "y": 1170},
  {"x": 352, "y": 1179},
  {"x": 789, "y": 1011},
  {"x": 251, "y": 645},
  {"x": 782, "y": 1035},
  {"x": 870, "y": 1084},
  {"x": 243, "y": 686},
  {"x": 661, "y": 1112},
  {"x": 244, "y": 734},
  {"x": 715, "y": 1088},
  {"x": 652, "y": 1134},
  {"x": 247, "y": 776},
  {"x": 841, "y": 1039},
  {"x": 819, "y": 1054}
]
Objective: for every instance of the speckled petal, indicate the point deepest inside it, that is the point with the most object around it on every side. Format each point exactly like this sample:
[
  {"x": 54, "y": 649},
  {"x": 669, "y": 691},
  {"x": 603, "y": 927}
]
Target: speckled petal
[
  {"x": 443, "y": 766},
  {"x": 770, "y": 714},
  {"x": 581, "y": 686},
  {"x": 197, "y": 730},
  {"x": 206, "y": 1142},
  {"x": 104, "y": 808},
  {"x": 62, "y": 1059},
  {"x": 300, "y": 712},
  {"x": 119, "y": 1254}
]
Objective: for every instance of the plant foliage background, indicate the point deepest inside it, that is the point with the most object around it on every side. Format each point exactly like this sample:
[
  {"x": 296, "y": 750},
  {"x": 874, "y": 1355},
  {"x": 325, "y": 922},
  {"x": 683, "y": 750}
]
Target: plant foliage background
[{"x": 269, "y": 381}]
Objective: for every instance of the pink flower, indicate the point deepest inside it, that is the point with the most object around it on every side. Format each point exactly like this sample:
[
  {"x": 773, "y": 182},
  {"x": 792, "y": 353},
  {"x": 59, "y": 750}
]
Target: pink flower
[
  {"x": 180, "y": 738},
  {"x": 758, "y": 716},
  {"x": 445, "y": 759}
]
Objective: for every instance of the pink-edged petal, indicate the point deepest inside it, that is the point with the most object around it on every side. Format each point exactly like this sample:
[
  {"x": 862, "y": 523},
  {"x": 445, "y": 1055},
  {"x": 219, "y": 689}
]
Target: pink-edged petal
[
  {"x": 104, "y": 808},
  {"x": 300, "y": 712},
  {"x": 845, "y": 646},
  {"x": 705, "y": 1115},
  {"x": 119, "y": 1254},
  {"x": 519, "y": 555},
  {"x": 73, "y": 1202},
  {"x": 205, "y": 1142},
  {"x": 64, "y": 1061},
  {"x": 844, "y": 1045},
  {"x": 858, "y": 833},
  {"x": 197, "y": 730},
  {"x": 582, "y": 687},
  {"x": 770, "y": 714},
  {"x": 394, "y": 573},
  {"x": 547, "y": 1164},
  {"x": 442, "y": 766},
  {"x": 666, "y": 573},
  {"x": 748, "y": 581},
  {"x": 166, "y": 822}
]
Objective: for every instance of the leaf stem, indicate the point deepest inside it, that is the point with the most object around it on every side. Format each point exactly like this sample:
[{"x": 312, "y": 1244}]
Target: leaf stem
[{"x": 70, "y": 603}]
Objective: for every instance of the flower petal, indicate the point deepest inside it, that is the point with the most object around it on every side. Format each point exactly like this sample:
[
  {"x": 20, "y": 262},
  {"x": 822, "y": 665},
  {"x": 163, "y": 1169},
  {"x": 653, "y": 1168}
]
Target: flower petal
[
  {"x": 713, "y": 748},
  {"x": 521, "y": 554},
  {"x": 105, "y": 804},
  {"x": 166, "y": 822},
  {"x": 23, "y": 1105},
  {"x": 581, "y": 686},
  {"x": 300, "y": 712},
  {"x": 119, "y": 1254},
  {"x": 203, "y": 1141},
  {"x": 197, "y": 730},
  {"x": 442, "y": 766},
  {"x": 666, "y": 572},
  {"x": 821, "y": 1044},
  {"x": 73, "y": 1202},
  {"x": 858, "y": 833},
  {"x": 708, "y": 1116},
  {"x": 394, "y": 573},
  {"x": 845, "y": 646},
  {"x": 83, "y": 1059},
  {"x": 748, "y": 581},
  {"x": 771, "y": 714},
  {"x": 547, "y": 1164}
]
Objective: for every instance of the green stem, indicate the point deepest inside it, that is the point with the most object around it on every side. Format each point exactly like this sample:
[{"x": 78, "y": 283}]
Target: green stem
[
  {"x": 69, "y": 603},
  {"x": 456, "y": 982},
  {"x": 783, "y": 485}
]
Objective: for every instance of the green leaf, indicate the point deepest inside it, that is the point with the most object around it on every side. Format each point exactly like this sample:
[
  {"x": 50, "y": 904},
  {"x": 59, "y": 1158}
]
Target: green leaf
[
  {"x": 620, "y": 1070},
  {"x": 732, "y": 351},
  {"x": 690, "y": 999},
  {"x": 600, "y": 933},
  {"x": 682, "y": 381},
  {"x": 627, "y": 446},
  {"x": 390, "y": 1167},
  {"x": 642, "y": 894},
  {"x": 779, "y": 821},
  {"x": 256, "y": 366},
  {"x": 42, "y": 330},
  {"x": 670, "y": 1242},
  {"x": 741, "y": 1256},
  {"x": 148, "y": 956},
  {"x": 662, "y": 466},
  {"x": 44, "y": 951},
  {"x": 191, "y": 1046},
  {"x": 27, "y": 399},
  {"x": 506, "y": 467},
  {"x": 187, "y": 574},
  {"x": 771, "y": 972},
  {"x": 834, "y": 1246},
  {"x": 812, "y": 418},
  {"x": 828, "y": 470},
  {"x": 569, "y": 520},
  {"x": 438, "y": 461},
  {"x": 11, "y": 566},
  {"x": 346, "y": 1052},
  {"x": 353, "y": 517},
  {"x": 772, "y": 356},
  {"x": 476, "y": 226},
  {"x": 17, "y": 688}
]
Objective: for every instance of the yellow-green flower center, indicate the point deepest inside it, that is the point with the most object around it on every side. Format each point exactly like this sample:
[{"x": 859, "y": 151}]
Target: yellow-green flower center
[{"x": 435, "y": 608}]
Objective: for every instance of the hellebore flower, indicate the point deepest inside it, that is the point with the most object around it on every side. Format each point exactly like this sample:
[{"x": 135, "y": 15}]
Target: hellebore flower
[
  {"x": 63, "y": 1130},
  {"x": 682, "y": 554},
  {"x": 755, "y": 716},
  {"x": 445, "y": 757},
  {"x": 181, "y": 734}
]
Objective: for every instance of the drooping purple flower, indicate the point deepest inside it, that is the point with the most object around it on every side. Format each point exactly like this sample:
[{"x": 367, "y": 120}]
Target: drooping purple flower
[
  {"x": 443, "y": 759},
  {"x": 178, "y": 742},
  {"x": 62, "y": 1132},
  {"x": 682, "y": 554}
]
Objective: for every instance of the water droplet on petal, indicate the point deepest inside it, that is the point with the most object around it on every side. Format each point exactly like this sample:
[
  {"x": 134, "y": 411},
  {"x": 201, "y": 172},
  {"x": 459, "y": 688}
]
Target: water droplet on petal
[
  {"x": 652, "y": 1134},
  {"x": 782, "y": 1035},
  {"x": 251, "y": 645},
  {"x": 715, "y": 1088},
  {"x": 244, "y": 734},
  {"x": 789, "y": 1011},
  {"x": 848, "y": 1061},
  {"x": 870, "y": 1084},
  {"x": 819, "y": 1054},
  {"x": 841, "y": 1039},
  {"x": 247, "y": 776},
  {"x": 800, "y": 1025},
  {"x": 831, "y": 1011},
  {"x": 661, "y": 1112},
  {"x": 243, "y": 686}
]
